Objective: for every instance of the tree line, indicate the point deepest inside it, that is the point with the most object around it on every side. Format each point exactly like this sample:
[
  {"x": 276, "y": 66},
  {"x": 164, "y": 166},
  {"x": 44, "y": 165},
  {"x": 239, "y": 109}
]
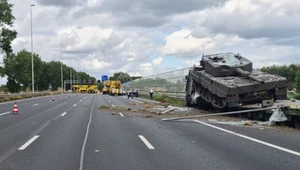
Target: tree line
[
  {"x": 17, "y": 66},
  {"x": 290, "y": 72}
]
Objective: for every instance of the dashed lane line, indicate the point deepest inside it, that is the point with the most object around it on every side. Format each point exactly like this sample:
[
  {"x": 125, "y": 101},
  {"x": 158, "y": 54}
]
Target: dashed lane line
[
  {"x": 64, "y": 114},
  {"x": 35, "y": 104},
  {"x": 1, "y": 114},
  {"x": 121, "y": 114},
  {"x": 23, "y": 147},
  {"x": 146, "y": 142}
]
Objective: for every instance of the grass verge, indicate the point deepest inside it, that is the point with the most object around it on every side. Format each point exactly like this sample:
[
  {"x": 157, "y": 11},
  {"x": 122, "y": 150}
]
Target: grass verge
[{"x": 165, "y": 99}]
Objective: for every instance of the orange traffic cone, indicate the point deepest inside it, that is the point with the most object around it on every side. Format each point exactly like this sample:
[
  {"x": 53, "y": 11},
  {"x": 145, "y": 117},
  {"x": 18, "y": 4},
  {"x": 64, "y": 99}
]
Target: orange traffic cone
[
  {"x": 15, "y": 110},
  {"x": 53, "y": 99}
]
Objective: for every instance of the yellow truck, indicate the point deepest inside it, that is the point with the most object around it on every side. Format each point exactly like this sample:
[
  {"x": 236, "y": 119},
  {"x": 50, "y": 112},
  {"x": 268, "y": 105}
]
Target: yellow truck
[
  {"x": 112, "y": 87},
  {"x": 106, "y": 86},
  {"x": 82, "y": 89},
  {"x": 93, "y": 89},
  {"x": 85, "y": 88}
]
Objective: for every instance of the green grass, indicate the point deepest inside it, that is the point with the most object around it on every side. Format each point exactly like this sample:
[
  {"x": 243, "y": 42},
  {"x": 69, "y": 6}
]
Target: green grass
[
  {"x": 165, "y": 99},
  {"x": 294, "y": 95},
  {"x": 12, "y": 98}
]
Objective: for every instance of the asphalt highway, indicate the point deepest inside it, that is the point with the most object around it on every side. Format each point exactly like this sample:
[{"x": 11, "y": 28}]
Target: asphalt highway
[{"x": 79, "y": 132}]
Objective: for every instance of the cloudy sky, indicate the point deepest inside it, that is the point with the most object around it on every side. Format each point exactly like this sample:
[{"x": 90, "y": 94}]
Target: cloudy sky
[{"x": 144, "y": 37}]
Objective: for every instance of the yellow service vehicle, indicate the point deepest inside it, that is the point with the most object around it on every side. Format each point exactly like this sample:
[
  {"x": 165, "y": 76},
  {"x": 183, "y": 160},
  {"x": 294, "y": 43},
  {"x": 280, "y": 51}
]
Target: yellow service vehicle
[
  {"x": 93, "y": 89},
  {"x": 112, "y": 87},
  {"x": 115, "y": 87},
  {"x": 106, "y": 86},
  {"x": 82, "y": 89}
]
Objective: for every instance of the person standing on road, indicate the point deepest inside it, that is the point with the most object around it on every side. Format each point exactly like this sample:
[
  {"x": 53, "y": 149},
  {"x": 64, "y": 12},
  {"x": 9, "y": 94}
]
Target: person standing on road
[
  {"x": 130, "y": 93},
  {"x": 151, "y": 93}
]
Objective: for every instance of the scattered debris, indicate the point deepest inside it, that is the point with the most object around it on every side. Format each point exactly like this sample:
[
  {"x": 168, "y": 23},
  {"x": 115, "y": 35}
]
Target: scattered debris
[
  {"x": 174, "y": 109},
  {"x": 148, "y": 116}
]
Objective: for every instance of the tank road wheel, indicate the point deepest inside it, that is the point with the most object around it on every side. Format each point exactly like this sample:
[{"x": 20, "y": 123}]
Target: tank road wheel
[
  {"x": 200, "y": 103},
  {"x": 188, "y": 101}
]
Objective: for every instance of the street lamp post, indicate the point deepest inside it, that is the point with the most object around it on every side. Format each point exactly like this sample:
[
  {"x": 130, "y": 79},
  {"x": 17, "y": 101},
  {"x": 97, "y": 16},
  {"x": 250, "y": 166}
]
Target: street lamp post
[
  {"x": 71, "y": 75},
  {"x": 61, "y": 70},
  {"x": 32, "y": 67}
]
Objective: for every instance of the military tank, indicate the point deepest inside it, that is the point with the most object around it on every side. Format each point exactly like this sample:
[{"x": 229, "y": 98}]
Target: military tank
[{"x": 227, "y": 80}]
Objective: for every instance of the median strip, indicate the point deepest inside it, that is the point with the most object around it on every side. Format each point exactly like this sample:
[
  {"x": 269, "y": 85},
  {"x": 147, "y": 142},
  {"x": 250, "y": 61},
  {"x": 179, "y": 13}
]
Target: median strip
[
  {"x": 146, "y": 142},
  {"x": 28, "y": 142}
]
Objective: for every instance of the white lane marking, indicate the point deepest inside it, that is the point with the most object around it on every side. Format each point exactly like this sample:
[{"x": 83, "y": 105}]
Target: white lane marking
[
  {"x": 108, "y": 100},
  {"x": 28, "y": 142},
  {"x": 1, "y": 114},
  {"x": 252, "y": 139},
  {"x": 35, "y": 104},
  {"x": 64, "y": 114},
  {"x": 146, "y": 142},
  {"x": 75, "y": 105},
  {"x": 137, "y": 101},
  {"x": 121, "y": 114},
  {"x": 80, "y": 101},
  {"x": 113, "y": 105},
  {"x": 86, "y": 136}
]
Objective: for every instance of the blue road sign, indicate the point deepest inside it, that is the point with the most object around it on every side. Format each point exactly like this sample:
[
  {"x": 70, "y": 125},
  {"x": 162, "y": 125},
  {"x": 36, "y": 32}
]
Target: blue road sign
[{"x": 104, "y": 78}]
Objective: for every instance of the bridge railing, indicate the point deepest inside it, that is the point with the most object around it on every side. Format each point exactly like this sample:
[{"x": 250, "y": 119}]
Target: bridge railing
[{"x": 172, "y": 82}]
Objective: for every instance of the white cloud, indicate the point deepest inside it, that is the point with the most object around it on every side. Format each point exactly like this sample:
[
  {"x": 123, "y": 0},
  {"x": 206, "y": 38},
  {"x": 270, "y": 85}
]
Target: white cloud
[
  {"x": 125, "y": 35},
  {"x": 157, "y": 61}
]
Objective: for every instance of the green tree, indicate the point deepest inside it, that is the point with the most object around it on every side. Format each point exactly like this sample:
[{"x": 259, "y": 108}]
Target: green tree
[
  {"x": 297, "y": 80},
  {"x": 18, "y": 70},
  {"x": 6, "y": 22},
  {"x": 123, "y": 77}
]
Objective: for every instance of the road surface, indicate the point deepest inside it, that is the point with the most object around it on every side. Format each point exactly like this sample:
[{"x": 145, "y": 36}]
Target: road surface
[{"x": 79, "y": 132}]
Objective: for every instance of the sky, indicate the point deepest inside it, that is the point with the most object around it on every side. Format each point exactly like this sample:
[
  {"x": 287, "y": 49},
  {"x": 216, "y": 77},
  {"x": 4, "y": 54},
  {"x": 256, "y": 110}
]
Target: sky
[{"x": 146, "y": 37}]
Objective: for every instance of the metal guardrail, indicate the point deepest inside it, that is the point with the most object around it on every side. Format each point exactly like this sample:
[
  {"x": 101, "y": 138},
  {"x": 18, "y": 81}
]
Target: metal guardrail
[{"x": 22, "y": 94}]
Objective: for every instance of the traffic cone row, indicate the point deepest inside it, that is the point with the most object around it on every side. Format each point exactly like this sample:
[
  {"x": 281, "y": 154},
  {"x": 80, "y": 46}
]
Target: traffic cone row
[{"x": 15, "y": 110}]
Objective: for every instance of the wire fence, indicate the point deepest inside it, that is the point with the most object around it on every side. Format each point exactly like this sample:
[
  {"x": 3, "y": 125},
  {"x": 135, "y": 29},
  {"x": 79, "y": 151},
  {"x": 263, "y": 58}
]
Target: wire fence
[{"x": 168, "y": 82}]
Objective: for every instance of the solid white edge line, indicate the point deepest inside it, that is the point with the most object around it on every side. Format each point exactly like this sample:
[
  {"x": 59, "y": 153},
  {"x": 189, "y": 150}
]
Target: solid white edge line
[
  {"x": 146, "y": 142},
  {"x": 28, "y": 142},
  {"x": 85, "y": 138},
  {"x": 1, "y": 114},
  {"x": 63, "y": 114},
  {"x": 252, "y": 139},
  {"x": 35, "y": 104},
  {"x": 121, "y": 114},
  {"x": 137, "y": 101}
]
